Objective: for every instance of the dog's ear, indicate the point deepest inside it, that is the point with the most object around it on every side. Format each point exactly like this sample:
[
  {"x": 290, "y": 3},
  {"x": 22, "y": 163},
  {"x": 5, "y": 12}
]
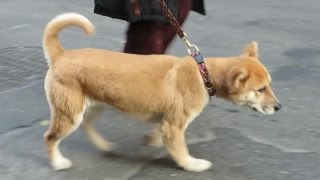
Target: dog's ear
[
  {"x": 237, "y": 78},
  {"x": 251, "y": 50}
]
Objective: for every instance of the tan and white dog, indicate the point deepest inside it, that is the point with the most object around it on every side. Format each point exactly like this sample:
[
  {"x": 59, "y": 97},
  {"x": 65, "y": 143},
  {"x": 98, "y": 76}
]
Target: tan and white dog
[{"x": 165, "y": 90}]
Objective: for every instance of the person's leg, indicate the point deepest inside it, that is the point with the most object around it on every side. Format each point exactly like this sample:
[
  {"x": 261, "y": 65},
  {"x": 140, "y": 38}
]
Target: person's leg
[
  {"x": 153, "y": 37},
  {"x": 145, "y": 37}
]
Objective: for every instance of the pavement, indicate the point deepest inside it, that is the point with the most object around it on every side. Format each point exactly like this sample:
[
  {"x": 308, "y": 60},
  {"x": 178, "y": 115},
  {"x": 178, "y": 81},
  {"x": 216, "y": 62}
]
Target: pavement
[{"x": 242, "y": 144}]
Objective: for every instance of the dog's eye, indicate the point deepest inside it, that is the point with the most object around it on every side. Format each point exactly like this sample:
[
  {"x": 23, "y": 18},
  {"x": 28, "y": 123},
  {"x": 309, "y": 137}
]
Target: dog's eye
[{"x": 262, "y": 90}]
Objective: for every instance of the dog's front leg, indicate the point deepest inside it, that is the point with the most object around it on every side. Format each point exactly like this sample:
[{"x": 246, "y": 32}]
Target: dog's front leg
[{"x": 174, "y": 141}]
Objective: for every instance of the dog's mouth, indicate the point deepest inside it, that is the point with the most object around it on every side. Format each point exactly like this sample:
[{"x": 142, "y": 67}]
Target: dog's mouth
[
  {"x": 257, "y": 108},
  {"x": 263, "y": 110}
]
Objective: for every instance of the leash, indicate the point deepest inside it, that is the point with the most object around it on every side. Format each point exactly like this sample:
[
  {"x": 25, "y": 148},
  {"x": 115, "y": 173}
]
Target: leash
[{"x": 193, "y": 50}]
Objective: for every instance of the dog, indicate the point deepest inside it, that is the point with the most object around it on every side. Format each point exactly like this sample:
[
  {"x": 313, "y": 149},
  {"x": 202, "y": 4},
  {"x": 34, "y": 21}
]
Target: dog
[{"x": 164, "y": 90}]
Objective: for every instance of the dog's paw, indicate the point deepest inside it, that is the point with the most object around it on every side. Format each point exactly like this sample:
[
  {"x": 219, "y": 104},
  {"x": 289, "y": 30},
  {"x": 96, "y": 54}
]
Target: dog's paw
[
  {"x": 106, "y": 146},
  {"x": 153, "y": 140},
  {"x": 196, "y": 165},
  {"x": 61, "y": 163}
]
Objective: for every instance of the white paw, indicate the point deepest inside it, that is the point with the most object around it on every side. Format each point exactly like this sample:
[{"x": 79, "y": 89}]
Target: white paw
[
  {"x": 197, "y": 165},
  {"x": 61, "y": 163}
]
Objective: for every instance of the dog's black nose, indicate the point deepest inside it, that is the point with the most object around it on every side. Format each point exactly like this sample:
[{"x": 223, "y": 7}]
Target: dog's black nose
[{"x": 277, "y": 107}]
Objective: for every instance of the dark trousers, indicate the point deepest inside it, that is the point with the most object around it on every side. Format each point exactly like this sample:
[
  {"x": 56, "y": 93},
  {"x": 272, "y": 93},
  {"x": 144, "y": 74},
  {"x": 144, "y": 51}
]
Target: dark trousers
[{"x": 153, "y": 37}]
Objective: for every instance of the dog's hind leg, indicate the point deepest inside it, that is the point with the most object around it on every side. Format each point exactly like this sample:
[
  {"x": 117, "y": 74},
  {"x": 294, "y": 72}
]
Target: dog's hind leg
[
  {"x": 89, "y": 117},
  {"x": 154, "y": 138},
  {"x": 61, "y": 126},
  {"x": 67, "y": 108}
]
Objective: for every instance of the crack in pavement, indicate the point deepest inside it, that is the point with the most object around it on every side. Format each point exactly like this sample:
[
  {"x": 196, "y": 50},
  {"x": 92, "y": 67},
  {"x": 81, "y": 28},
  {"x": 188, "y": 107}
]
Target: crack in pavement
[
  {"x": 26, "y": 126},
  {"x": 275, "y": 145},
  {"x": 206, "y": 137}
]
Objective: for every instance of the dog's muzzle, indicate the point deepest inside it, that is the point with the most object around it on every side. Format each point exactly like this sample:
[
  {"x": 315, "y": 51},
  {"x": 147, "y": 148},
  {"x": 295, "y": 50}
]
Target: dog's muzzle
[{"x": 277, "y": 107}]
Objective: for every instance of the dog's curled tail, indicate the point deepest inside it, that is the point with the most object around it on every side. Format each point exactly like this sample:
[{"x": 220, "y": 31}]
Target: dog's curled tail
[{"x": 51, "y": 44}]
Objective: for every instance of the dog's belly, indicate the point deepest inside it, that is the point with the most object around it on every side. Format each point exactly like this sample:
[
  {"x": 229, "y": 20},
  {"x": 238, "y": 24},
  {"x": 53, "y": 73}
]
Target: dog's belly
[
  {"x": 148, "y": 117},
  {"x": 151, "y": 117}
]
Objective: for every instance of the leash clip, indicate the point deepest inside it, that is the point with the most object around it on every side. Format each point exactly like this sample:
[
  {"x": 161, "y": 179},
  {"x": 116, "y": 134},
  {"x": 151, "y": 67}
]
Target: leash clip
[{"x": 191, "y": 47}]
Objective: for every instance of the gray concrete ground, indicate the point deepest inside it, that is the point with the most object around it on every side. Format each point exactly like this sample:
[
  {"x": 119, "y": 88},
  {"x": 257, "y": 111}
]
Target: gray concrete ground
[{"x": 242, "y": 144}]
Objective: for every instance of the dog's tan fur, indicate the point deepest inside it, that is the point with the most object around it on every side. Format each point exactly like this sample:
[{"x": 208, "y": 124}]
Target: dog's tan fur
[{"x": 165, "y": 90}]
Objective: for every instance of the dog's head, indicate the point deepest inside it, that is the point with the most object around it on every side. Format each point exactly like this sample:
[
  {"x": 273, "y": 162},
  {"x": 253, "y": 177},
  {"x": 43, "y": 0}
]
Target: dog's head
[{"x": 248, "y": 83}]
